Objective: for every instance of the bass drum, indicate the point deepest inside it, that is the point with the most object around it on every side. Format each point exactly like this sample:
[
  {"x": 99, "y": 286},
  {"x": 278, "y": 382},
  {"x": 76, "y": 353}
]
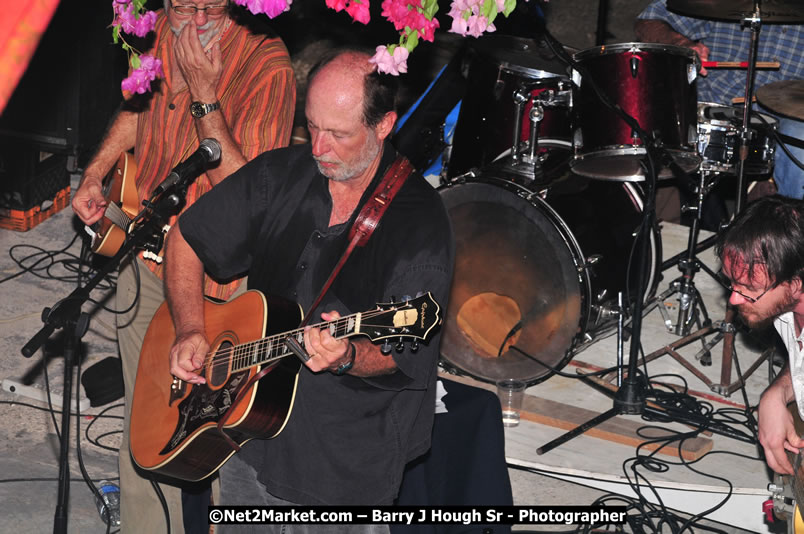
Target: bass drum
[{"x": 533, "y": 275}]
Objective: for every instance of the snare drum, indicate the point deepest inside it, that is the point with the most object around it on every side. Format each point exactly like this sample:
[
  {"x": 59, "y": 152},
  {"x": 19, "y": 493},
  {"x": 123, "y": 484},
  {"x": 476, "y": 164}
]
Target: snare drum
[
  {"x": 498, "y": 66},
  {"x": 536, "y": 273},
  {"x": 655, "y": 84},
  {"x": 719, "y": 136}
]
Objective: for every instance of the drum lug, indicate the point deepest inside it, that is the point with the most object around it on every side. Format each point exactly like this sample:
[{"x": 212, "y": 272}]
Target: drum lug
[{"x": 590, "y": 261}]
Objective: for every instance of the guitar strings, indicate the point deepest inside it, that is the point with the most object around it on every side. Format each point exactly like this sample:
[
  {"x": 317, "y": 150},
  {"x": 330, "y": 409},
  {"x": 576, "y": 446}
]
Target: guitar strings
[{"x": 245, "y": 351}]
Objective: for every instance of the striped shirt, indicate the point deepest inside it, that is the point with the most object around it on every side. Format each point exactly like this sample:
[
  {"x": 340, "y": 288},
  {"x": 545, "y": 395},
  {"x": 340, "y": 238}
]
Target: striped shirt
[
  {"x": 728, "y": 41},
  {"x": 257, "y": 92}
]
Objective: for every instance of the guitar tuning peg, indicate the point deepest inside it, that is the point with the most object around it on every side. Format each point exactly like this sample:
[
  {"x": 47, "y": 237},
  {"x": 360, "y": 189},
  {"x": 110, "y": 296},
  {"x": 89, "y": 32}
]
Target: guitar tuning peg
[
  {"x": 400, "y": 345},
  {"x": 420, "y": 293},
  {"x": 385, "y": 348},
  {"x": 406, "y": 298},
  {"x": 414, "y": 347}
]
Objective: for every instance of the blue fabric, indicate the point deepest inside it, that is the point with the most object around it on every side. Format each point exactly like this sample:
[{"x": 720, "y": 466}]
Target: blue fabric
[
  {"x": 728, "y": 41},
  {"x": 789, "y": 177}
]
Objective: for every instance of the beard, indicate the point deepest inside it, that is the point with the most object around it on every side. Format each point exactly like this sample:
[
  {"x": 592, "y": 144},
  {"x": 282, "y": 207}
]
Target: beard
[
  {"x": 760, "y": 319},
  {"x": 345, "y": 172},
  {"x": 205, "y": 37}
]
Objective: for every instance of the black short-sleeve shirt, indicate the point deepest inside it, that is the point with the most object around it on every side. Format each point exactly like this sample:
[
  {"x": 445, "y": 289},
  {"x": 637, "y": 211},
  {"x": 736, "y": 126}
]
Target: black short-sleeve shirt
[{"x": 347, "y": 439}]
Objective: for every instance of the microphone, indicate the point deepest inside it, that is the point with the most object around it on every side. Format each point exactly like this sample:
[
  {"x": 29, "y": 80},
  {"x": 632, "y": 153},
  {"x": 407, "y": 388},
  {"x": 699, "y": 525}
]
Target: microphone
[{"x": 208, "y": 152}]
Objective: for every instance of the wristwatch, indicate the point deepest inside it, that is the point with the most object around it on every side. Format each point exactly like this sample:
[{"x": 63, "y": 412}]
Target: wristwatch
[
  {"x": 199, "y": 109},
  {"x": 350, "y": 361}
]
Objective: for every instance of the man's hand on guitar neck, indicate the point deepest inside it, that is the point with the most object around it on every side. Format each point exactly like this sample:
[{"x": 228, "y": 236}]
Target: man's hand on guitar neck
[
  {"x": 188, "y": 355},
  {"x": 88, "y": 202},
  {"x": 777, "y": 433},
  {"x": 326, "y": 352}
]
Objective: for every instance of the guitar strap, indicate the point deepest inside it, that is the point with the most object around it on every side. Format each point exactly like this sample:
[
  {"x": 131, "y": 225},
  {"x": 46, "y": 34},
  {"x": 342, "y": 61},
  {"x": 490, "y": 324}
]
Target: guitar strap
[{"x": 366, "y": 222}]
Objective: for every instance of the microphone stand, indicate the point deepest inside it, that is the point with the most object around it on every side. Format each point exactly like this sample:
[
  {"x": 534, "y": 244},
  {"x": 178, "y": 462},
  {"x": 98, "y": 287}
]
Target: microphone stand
[
  {"x": 66, "y": 315},
  {"x": 630, "y": 397}
]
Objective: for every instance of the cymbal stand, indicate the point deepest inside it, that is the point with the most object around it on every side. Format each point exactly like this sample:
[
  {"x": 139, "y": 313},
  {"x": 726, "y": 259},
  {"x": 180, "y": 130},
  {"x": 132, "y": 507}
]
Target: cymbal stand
[{"x": 754, "y": 22}]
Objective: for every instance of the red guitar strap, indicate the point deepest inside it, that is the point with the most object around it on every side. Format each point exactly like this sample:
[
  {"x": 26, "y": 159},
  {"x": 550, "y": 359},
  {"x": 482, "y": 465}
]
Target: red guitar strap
[{"x": 366, "y": 222}]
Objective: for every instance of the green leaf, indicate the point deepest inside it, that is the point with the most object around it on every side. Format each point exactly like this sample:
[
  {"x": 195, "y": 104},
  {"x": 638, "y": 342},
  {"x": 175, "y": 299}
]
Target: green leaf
[
  {"x": 430, "y": 8},
  {"x": 489, "y": 10},
  {"x": 135, "y": 61},
  {"x": 413, "y": 39},
  {"x": 116, "y": 34},
  {"x": 510, "y": 5}
]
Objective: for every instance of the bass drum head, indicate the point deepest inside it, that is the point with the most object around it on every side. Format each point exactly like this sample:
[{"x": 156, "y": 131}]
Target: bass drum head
[{"x": 516, "y": 283}]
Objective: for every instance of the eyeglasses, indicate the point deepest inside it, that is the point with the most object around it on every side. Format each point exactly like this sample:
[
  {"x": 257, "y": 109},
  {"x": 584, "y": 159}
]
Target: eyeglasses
[
  {"x": 726, "y": 283},
  {"x": 211, "y": 11}
]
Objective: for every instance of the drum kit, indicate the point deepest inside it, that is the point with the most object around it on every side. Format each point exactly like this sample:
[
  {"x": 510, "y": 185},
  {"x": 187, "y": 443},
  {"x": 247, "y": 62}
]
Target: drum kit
[{"x": 548, "y": 180}]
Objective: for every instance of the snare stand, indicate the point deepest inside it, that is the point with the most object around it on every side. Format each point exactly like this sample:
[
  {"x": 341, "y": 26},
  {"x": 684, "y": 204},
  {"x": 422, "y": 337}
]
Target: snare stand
[{"x": 690, "y": 300}]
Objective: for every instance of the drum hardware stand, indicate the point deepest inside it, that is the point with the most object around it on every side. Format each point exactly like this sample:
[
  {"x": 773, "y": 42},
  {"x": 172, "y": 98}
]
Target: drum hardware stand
[
  {"x": 690, "y": 299},
  {"x": 754, "y": 22}
]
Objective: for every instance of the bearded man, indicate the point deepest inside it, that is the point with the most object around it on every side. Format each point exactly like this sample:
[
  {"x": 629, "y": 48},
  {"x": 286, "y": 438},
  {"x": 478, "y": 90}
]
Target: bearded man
[
  {"x": 762, "y": 254},
  {"x": 359, "y": 415},
  {"x": 223, "y": 82}
]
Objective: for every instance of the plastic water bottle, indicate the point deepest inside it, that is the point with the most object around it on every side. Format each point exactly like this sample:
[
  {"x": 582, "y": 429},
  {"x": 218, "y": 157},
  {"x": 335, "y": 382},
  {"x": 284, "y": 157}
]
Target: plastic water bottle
[{"x": 109, "y": 502}]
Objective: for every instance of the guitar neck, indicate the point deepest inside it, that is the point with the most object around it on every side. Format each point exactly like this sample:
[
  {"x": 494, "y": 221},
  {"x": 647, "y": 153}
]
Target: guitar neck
[{"x": 273, "y": 348}]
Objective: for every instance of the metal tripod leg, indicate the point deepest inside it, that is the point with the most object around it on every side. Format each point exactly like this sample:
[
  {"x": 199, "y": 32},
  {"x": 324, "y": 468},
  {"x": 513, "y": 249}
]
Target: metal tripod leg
[{"x": 724, "y": 331}]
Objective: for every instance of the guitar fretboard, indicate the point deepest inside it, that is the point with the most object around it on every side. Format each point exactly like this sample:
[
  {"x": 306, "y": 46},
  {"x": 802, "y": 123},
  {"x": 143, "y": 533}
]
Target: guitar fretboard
[{"x": 273, "y": 348}]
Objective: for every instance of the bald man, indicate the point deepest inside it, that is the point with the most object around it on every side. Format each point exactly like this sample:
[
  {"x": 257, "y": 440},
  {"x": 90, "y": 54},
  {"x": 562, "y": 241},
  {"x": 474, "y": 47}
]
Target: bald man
[{"x": 359, "y": 415}]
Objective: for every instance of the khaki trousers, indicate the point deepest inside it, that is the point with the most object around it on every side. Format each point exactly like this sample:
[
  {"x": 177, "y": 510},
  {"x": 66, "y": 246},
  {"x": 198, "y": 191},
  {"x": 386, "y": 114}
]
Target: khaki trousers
[{"x": 140, "y": 508}]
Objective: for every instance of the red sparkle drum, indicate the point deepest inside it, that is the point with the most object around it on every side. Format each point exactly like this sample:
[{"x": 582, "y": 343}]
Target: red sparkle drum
[
  {"x": 719, "y": 136},
  {"x": 499, "y": 67},
  {"x": 537, "y": 274},
  {"x": 653, "y": 83}
]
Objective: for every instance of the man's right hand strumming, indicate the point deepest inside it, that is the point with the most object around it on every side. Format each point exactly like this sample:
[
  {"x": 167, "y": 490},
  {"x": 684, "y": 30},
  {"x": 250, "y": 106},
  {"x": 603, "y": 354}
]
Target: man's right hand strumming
[{"x": 88, "y": 202}]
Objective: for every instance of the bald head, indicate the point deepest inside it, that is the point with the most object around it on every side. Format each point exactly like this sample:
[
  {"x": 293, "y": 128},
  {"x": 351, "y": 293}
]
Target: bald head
[{"x": 378, "y": 92}]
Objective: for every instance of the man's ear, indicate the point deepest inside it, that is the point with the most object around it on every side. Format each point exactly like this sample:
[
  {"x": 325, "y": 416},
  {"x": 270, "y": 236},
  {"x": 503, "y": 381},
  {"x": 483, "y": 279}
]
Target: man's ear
[
  {"x": 796, "y": 284},
  {"x": 386, "y": 125}
]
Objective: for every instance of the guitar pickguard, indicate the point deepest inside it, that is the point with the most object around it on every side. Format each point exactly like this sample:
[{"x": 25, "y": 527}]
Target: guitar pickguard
[{"x": 204, "y": 405}]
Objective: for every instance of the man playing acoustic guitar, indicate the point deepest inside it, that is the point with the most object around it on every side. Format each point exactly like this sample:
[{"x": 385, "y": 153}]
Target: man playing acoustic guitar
[
  {"x": 359, "y": 414},
  {"x": 762, "y": 253},
  {"x": 223, "y": 82}
]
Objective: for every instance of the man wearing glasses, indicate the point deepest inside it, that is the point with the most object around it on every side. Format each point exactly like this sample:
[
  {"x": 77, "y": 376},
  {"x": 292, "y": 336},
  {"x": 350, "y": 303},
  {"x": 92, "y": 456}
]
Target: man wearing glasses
[
  {"x": 762, "y": 253},
  {"x": 223, "y": 82}
]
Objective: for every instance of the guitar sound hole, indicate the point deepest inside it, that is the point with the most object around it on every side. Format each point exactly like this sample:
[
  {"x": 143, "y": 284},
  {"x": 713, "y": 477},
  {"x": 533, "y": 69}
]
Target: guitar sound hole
[{"x": 221, "y": 365}]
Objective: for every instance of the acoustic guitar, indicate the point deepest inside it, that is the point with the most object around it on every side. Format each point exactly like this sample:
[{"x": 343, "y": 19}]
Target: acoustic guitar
[
  {"x": 119, "y": 189},
  {"x": 176, "y": 427}
]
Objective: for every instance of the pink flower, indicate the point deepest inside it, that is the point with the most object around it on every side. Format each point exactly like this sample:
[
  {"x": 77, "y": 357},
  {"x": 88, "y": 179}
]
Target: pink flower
[
  {"x": 337, "y": 5},
  {"x": 139, "y": 81},
  {"x": 129, "y": 22},
  {"x": 477, "y": 24},
  {"x": 359, "y": 11},
  {"x": 467, "y": 20},
  {"x": 272, "y": 8},
  {"x": 391, "y": 64},
  {"x": 427, "y": 31}
]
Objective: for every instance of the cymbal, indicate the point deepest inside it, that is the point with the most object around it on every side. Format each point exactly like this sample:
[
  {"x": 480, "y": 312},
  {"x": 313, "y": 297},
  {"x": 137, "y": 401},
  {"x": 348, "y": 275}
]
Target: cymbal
[
  {"x": 736, "y": 10},
  {"x": 785, "y": 97}
]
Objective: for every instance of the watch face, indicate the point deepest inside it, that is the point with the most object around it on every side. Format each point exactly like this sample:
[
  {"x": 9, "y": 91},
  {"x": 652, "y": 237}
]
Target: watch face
[{"x": 197, "y": 109}]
